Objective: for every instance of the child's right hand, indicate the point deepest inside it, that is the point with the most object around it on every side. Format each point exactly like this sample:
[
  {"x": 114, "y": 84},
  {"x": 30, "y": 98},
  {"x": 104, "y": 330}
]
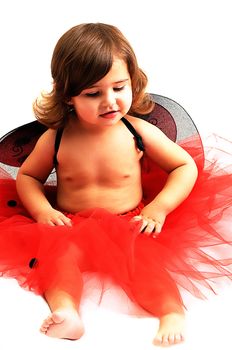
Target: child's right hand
[{"x": 53, "y": 217}]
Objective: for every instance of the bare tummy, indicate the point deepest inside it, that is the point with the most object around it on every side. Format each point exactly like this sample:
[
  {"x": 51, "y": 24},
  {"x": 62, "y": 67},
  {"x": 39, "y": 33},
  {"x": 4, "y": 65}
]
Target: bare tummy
[
  {"x": 105, "y": 174},
  {"x": 115, "y": 200}
]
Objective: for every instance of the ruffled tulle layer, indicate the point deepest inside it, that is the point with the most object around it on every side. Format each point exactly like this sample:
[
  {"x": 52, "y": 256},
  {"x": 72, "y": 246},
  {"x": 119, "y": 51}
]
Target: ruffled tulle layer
[{"x": 193, "y": 252}]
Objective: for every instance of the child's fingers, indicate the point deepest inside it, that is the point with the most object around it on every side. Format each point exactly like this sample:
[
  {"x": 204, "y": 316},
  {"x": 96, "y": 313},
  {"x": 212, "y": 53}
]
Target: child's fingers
[
  {"x": 61, "y": 221},
  {"x": 67, "y": 221},
  {"x": 157, "y": 229},
  {"x": 152, "y": 228},
  {"x": 148, "y": 226},
  {"x": 139, "y": 218}
]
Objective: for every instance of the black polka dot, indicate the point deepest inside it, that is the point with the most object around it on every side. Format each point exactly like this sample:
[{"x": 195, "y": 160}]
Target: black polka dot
[
  {"x": 12, "y": 203},
  {"x": 33, "y": 262}
]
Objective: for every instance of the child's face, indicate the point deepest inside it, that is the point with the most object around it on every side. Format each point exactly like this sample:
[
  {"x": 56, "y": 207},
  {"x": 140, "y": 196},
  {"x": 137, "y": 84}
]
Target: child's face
[{"x": 108, "y": 100}]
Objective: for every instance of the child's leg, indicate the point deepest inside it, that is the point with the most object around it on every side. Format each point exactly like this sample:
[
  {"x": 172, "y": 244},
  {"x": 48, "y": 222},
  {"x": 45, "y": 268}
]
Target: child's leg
[
  {"x": 159, "y": 295},
  {"x": 64, "y": 321}
]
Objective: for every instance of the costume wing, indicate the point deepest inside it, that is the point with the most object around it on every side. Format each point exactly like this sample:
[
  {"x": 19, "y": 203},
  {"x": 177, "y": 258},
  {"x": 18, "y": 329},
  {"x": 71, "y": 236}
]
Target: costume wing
[
  {"x": 171, "y": 118},
  {"x": 17, "y": 144}
]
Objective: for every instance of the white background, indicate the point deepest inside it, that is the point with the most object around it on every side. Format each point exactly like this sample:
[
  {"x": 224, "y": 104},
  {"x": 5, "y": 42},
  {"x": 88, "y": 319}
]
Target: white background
[{"x": 185, "y": 49}]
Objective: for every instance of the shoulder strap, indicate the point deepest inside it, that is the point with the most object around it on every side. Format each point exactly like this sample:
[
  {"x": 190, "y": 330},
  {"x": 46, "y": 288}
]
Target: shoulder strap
[
  {"x": 57, "y": 145},
  {"x": 138, "y": 138}
]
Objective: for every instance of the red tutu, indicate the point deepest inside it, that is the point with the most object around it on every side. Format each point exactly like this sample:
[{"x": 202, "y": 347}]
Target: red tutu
[{"x": 193, "y": 251}]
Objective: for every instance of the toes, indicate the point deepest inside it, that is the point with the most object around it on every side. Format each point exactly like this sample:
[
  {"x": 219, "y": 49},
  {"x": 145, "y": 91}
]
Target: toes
[
  {"x": 49, "y": 320},
  {"x": 165, "y": 341},
  {"x": 179, "y": 338},
  {"x": 174, "y": 338},
  {"x": 43, "y": 329},
  {"x": 171, "y": 338},
  {"x": 162, "y": 341},
  {"x": 157, "y": 340},
  {"x": 46, "y": 324},
  {"x": 168, "y": 340}
]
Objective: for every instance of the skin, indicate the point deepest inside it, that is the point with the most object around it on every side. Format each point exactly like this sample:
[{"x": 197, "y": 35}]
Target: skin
[{"x": 108, "y": 177}]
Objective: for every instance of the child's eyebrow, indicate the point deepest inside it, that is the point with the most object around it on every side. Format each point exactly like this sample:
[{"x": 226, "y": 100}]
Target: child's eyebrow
[{"x": 115, "y": 82}]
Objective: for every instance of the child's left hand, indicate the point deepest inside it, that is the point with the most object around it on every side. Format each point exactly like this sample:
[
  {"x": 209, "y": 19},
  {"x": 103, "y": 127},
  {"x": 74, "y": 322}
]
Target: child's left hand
[{"x": 152, "y": 221}]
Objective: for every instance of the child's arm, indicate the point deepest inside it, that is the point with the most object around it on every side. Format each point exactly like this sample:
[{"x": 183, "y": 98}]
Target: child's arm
[
  {"x": 31, "y": 177},
  {"x": 182, "y": 172}
]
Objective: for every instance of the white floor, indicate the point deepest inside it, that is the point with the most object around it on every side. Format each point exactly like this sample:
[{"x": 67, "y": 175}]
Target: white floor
[{"x": 115, "y": 324}]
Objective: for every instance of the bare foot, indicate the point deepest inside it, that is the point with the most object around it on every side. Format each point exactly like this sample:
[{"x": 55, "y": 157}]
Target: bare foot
[
  {"x": 171, "y": 330},
  {"x": 63, "y": 323}
]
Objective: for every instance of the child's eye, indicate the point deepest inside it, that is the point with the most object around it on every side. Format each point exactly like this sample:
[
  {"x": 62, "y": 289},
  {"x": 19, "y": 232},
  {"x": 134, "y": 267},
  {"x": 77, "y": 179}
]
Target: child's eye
[
  {"x": 97, "y": 93},
  {"x": 119, "y": 88},
  {"x": 92, "y": 94}
]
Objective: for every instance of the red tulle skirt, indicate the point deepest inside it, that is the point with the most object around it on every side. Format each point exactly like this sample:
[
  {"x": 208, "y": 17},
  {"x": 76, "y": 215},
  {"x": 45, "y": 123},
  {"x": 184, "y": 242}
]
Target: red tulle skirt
[{"x": 193, "y": 252}]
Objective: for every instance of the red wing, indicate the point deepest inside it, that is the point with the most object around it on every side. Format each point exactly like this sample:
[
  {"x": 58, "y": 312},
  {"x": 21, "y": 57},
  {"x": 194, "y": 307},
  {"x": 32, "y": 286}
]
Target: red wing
[{"x": 16, "y": 145}]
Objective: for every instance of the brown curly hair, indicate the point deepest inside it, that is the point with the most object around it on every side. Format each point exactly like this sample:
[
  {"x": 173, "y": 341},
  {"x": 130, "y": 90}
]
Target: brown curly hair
[{"x": 82, "y": 56}]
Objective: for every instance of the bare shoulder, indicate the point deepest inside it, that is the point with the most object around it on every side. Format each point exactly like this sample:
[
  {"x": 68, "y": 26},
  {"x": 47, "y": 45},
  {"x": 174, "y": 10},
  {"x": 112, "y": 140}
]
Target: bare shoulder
[
  {"x": 158, "y": 146},
  {"x": 39, "y": 163},
  {"x": 149, "y": 132},
  {"x": 45, "y": 144},
  {"x": 47, "y": 138}
]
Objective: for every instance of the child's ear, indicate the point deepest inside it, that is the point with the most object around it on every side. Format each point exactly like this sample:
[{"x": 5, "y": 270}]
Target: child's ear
[
  {"x": 70, "y": 106},
  {"x": 69, "y": 102}
]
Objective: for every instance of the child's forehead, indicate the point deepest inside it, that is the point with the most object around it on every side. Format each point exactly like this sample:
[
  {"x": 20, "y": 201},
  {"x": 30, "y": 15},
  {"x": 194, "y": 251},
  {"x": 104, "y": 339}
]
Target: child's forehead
[{"x": 118, "y": 73}]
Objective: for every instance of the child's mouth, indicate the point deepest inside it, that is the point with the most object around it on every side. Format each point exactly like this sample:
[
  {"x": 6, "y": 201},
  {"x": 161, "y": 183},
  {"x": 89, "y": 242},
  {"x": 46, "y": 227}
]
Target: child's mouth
[{"x": 111, "y": 114}]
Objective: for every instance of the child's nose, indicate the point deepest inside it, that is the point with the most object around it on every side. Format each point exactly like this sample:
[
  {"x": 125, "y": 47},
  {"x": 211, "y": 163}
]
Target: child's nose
[{"x": 109, "y": 98}]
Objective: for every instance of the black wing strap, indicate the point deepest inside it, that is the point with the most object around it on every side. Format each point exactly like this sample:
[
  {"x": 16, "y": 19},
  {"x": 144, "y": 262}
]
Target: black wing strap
[
  {"x": 138, "y": 138},
  {"x": 57, "y": 145}
]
